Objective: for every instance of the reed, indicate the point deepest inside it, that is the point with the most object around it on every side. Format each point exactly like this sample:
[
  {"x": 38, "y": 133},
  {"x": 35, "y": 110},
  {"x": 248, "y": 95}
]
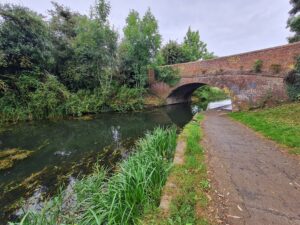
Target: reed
[{"x": 122, "y": 198}]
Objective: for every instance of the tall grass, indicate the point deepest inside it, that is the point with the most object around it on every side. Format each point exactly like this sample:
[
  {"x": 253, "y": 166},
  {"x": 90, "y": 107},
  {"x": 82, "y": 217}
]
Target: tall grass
[
  {"x": 122, "y": 198},
  {"x": 189, "y": 202}
]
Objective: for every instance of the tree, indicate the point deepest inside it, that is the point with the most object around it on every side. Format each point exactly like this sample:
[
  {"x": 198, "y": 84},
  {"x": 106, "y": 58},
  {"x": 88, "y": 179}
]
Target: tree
[
  {"x": 193, "y": 48},
  {"x": 24, "y": 41},
  {"x": 294, "y": 21},
  {"x": 172, "y": 53},
  {"x": 95, "y": 48},
  {"x": 63, "y": 25},
  {"x": 139, "y": 47}
]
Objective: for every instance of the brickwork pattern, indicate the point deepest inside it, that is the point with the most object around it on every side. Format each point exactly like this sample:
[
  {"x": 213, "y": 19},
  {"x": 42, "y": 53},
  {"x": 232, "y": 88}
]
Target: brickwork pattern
[{"x": 235, "y": 74}]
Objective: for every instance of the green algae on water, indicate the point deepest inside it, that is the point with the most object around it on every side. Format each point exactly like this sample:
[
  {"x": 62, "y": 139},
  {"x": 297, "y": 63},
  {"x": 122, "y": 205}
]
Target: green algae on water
[{"x": 9, "y": 157}]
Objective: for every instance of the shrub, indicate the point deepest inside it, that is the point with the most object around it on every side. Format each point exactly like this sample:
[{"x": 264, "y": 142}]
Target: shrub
[
  {"x": 293, "y": 85},
  {"x": 168, "y": 75},
  {"x": 257, "y": 67},
  {"x": 49, "y": 99},
  {"x": 128, "y": 99},
  {"x": 292, "y": 81}
]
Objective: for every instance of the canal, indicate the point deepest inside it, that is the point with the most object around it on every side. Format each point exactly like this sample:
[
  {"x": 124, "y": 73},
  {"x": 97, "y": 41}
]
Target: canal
[{"x": 64, "y": 150}]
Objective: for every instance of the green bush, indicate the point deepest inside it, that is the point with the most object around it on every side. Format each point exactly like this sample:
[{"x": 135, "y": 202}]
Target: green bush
[
  {"x": 293, "y": 85},
  {"x": 292, "y": 81},
  {"x": 49, "y": 99},
  {"x": 257, "y": 67},
  {"x": 168, "y": 75},
  {"x": 128, "y": 99}
]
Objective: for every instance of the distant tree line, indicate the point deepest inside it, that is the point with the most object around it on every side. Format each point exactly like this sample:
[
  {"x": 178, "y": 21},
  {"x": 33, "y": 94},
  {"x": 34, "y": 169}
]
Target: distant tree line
[{"x": 71, "y": 64}]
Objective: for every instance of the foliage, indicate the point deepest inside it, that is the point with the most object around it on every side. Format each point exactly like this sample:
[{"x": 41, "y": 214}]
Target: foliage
[
  {"x": 168, "y": 75},
  {"x": 138, "y": 48},
  {"x": 128, "y": 99},
  {"x": 192, "y": 49},
  {"x": 79, "y": 51},
  {"x": 205, "y": 94},
  {"x": 191, "y": 182},
  {"x": 95, "y": 47},
  {"x": 24, "y": 41},
  {"x": 121, "y": 198},
  {"x": 292, "y": 81},
  {"x": 62, "y": 26},
  {"x": 257, "y": 66},
  {"x": 280, "y": 124},
  {"x": 72, "y": 64},
  {"x": 48, "y": 99},
  {"x": 294, "y": 21},
  {"x": 172, "y": 53},
  {"x": 293, "y": 85}
]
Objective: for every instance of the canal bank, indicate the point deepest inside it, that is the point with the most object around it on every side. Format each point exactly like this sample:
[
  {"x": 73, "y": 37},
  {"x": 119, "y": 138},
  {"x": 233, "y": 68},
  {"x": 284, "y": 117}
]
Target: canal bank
[{"x": 65, "y": 150}]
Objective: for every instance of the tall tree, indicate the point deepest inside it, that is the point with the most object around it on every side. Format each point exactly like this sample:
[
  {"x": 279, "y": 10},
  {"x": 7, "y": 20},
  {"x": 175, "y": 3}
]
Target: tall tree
[
  {"x": 95, "y": 48},
  {"x": 294, "y": 21},
  {"x": 63, "y": 24},
  {"x": 139, "y": 47},
  {"x": 24, "y": 41},
  {"x": 173, "y": 53},
  {"x": 193, "y": 48}
]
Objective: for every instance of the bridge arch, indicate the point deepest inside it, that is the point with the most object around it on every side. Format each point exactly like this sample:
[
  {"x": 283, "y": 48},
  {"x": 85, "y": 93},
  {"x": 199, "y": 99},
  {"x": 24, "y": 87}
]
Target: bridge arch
[
  {"x": 184, "y": 92},
  {"x": 247, "y": 87}
]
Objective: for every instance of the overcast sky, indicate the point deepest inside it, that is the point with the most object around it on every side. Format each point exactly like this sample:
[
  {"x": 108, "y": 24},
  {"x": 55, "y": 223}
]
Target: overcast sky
[{"x": 228, "y": 27}]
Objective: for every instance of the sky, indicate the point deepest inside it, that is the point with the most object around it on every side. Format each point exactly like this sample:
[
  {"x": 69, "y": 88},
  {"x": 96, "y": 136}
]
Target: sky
[{"x": 228, "y": 27}]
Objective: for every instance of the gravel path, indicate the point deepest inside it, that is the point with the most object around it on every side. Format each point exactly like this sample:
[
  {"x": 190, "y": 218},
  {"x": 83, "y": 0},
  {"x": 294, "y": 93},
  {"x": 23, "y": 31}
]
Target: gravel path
[{"x": 256, "y": 182}]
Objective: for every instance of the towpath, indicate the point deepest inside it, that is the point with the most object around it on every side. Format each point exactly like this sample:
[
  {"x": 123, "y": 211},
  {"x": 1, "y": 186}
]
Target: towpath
[{"x": 256, "y": 182}]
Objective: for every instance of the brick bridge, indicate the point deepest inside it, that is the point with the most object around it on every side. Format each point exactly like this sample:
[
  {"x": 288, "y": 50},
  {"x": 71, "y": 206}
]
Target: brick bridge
[{"x": 235, "y": 75}]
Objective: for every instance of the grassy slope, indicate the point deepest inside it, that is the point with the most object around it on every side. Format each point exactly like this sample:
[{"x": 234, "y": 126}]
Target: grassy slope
[
  {"x": 281, "y": 124},
  {"x": 189, "y": 201}
]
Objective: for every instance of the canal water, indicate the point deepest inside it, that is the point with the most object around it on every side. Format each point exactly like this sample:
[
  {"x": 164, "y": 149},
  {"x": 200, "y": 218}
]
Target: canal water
[{"x": 65, "y": 150}]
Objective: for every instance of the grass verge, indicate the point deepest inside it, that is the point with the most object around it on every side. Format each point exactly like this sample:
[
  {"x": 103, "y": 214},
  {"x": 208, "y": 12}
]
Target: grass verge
[
  {"x": 189, "y": 202},
  {"x": 281, "y": 124},
  {"x": 120, "y": 199}
]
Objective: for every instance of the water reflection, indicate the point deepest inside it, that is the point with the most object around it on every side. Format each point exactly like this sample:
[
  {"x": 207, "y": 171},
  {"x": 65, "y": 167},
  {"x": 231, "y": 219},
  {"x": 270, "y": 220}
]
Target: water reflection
[
  {"x": 179, "y": 114},
  {"x": 68, "y": 148}
]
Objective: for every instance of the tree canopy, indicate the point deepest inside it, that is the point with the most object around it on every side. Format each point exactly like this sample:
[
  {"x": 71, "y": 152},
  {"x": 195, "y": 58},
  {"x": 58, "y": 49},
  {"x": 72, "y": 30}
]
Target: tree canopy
[
  {"x": 139, "y": 47},
  {"x": 70, "y": 64},
  {"x": 192, "y": 49},
  {"x": 24, "y": 41},
  {"x": 294, "y": 21}
]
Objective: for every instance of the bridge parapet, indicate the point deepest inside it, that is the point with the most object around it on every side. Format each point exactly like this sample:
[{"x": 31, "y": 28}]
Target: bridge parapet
[
  {"x": 277, "y": 61},
  {"x": 235, "y": 74}
]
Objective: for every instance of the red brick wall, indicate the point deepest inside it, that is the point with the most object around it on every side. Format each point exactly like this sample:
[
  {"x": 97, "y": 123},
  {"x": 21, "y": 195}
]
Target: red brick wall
[
  {"x": 235, "y": 74},
  {"x": 283, "y": 55}
]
